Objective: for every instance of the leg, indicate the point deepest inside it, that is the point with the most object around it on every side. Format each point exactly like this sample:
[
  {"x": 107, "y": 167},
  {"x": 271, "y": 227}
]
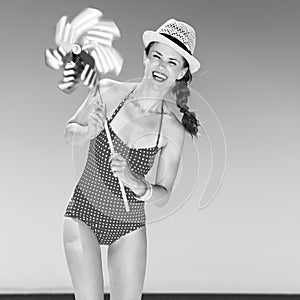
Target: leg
[
  {"x": 126, "y": 260},
  {"x": 83, "y": 256}
]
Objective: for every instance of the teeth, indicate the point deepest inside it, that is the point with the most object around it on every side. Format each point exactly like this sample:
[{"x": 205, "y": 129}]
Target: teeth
[{"x": 160, "y": 75}]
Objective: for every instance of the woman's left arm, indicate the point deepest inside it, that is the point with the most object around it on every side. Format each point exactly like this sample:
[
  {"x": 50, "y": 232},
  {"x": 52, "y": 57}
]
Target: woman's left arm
[{"x": 167, "y": 167}]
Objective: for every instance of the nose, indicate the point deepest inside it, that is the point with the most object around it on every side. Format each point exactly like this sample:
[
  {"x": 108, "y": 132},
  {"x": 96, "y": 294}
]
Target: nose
[{"x": 161, "y": 64}]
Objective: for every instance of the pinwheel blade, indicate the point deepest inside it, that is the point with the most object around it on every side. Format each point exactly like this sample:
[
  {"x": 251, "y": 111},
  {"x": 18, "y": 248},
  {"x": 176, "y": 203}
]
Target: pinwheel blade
[
  {"x": 51, "y": 61},
  {"x": 98, "y": 64},
  {"x": 102, "y": 60},
  {"x": 107, "y": 57},
  {"x": 85, "y": 20},
  {"x": 85, "y": 16},
  {"x": 101, "y": 34},
  {"x": 72, "y": 36},
  {"x": 68, "y": 87},
  {"x": 96, "y": 40},
  {"x": 60, "y": 29},
  {"x": 108, "y": 26},
  {"x": 116, "y": 59},
  {"x": 66, "y": 38}
]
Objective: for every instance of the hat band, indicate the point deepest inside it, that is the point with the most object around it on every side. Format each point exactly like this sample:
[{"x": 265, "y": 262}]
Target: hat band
[{"x": 176, "y": 41}]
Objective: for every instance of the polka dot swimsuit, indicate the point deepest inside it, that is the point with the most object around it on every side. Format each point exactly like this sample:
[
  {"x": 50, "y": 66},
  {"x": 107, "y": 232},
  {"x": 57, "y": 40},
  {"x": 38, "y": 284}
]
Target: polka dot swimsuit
[{"x": 97, "y": 198}]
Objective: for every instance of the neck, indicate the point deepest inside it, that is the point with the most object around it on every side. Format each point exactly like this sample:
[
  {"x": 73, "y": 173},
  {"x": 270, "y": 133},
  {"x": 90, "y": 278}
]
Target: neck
[{"x": 148, "y": 98}]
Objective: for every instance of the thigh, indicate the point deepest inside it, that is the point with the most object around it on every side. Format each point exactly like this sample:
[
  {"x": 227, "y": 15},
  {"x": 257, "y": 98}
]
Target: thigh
[
  {"x": 126, "y": 261},
  {"x": 83, "y": 255}
]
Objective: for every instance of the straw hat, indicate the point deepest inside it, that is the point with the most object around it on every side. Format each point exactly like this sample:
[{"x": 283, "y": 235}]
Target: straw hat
[{"x": 178, "y": 35}]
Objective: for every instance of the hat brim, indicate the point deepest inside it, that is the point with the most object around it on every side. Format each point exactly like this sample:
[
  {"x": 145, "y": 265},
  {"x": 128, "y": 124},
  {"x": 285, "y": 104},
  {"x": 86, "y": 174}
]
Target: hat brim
[{"x": 153, "y": 36}]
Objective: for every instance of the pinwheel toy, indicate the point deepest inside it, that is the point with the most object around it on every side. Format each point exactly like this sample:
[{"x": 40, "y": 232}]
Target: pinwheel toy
[
  {"x": 84, "y": 52},
  {"x": 85, "y": 42}
]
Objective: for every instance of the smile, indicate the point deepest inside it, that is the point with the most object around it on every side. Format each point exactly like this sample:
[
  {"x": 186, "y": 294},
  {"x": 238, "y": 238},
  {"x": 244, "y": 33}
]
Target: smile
[{"x": 159, "y": 76}]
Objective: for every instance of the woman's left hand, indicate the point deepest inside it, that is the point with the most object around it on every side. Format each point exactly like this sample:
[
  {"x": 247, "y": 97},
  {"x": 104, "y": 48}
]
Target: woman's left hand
[{"x": 121, "y": 170}]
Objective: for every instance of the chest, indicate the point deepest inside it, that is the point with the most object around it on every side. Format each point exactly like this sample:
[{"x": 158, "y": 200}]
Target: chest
[
  {"x": 136, "y": 129},
  {"x": 140, "y": 160}
]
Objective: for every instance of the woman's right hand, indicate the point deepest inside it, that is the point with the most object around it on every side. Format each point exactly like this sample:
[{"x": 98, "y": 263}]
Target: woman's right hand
[{"x": 97, "y": 115}]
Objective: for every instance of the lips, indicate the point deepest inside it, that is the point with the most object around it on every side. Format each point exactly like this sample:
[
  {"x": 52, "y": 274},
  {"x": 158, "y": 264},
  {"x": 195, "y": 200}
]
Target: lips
[{"x": 159, "y": 76}]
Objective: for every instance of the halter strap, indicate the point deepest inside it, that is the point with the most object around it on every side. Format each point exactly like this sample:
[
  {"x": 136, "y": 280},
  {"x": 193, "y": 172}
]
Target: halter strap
[
  {"x": 121, "y": 104},
  {"x": 161, "y": 117}
]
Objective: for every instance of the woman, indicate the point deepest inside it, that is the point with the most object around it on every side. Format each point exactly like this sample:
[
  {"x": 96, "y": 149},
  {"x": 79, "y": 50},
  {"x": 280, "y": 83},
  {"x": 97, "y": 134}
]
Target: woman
[{"x": 141, "y": 130}]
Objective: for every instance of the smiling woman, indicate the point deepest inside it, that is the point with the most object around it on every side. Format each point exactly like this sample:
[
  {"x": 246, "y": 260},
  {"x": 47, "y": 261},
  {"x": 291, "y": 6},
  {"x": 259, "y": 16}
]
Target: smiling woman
[
  {"x": 142, "y": 127},
  {"x": 166, "y": 63},
  {"x": 180, "y": 89}
]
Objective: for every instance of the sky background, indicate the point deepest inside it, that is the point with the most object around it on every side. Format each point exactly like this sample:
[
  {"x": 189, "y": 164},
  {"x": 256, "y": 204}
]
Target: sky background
[{"x": 245, "y": 239}]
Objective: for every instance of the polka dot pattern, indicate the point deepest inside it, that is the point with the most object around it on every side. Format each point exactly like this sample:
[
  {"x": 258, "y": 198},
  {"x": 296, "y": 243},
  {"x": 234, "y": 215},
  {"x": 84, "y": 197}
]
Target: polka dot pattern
[{"x": 97, "y": 198}]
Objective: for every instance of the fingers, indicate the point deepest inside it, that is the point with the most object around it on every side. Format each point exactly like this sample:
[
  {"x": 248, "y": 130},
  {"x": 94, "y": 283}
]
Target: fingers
[
  {"x": 96, "y": 101},
  {"x": 99, "y": 107},
  {"x": 95, "y": 125},
  {"x": 118, "y": 163},
  {"x": 96, "y": 121},
  {"x": 100, "y": 111},
  {"x": 98, "y": 115},
  {"x": 117, "y": 157}
]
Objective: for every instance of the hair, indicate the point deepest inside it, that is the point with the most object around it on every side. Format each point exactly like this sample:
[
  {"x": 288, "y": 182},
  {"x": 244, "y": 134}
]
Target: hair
[{"x": 182, "y": 93}]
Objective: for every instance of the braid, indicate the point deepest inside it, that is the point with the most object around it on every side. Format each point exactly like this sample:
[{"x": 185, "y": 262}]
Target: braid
[{"x": 182, "y": 93}]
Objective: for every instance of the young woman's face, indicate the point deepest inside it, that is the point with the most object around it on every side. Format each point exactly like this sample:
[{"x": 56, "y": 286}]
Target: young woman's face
[{"x": 163, "y": 66}]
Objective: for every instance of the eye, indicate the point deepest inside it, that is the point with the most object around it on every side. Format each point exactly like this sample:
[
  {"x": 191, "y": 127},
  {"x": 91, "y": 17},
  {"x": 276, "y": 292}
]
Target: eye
[
  {"x": 172, "y": 63},
  {"x": 156, "y": 56}
]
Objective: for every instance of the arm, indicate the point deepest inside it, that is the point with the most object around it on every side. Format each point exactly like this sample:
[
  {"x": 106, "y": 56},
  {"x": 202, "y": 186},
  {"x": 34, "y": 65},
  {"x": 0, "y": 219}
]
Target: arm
[
  {"x": 167, "y": 168},
  {"x": 76, "y": 134},
  {"x": 76, "y": 130}
]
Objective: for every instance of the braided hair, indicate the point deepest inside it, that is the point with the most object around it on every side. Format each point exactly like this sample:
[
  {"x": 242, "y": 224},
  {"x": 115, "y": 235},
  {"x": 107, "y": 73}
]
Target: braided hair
[{"x": 182, "y": 93}]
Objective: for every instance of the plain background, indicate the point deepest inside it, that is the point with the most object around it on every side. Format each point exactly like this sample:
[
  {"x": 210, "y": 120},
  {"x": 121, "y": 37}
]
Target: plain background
[{"x": 247, "y": 238}]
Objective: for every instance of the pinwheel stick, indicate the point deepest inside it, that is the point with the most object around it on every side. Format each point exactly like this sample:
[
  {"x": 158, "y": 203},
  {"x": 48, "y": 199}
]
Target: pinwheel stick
[
  {"x": 111, "y": 146},
  {"x": 86, "y": 41}
]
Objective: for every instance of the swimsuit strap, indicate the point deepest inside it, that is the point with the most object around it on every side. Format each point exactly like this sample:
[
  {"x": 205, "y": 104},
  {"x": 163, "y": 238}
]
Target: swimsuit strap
[
  {"x": 161, "y": 117},
  {"x": 119, "y": 106}
]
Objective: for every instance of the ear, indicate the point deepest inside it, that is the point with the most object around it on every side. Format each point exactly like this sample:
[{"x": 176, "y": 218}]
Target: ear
[
  {"x": 144, "y": 57},
  {"x": 182, "y": 73}
]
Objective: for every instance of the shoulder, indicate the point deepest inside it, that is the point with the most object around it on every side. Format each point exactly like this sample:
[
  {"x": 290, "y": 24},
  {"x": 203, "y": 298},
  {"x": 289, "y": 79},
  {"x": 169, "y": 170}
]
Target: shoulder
[
  {"x": 113, "y": 90},
  {"x": 113, "y": 86},
  {"x": 173, "y": 130},
  {"x": 108, "y": 85},
  {"x": 172, "y": 122}
]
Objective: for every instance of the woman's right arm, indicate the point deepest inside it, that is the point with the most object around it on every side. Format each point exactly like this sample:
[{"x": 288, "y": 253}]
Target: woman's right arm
[{"x": 87, "y": 122}]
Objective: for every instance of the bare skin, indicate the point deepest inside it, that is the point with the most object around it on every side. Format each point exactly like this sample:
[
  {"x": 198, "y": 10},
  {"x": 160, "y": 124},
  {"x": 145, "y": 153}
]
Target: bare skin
[
  {"x": 126, "y": 261},
  {"x": 83, "y": 256},
  {"x": 127, "y": 256}
]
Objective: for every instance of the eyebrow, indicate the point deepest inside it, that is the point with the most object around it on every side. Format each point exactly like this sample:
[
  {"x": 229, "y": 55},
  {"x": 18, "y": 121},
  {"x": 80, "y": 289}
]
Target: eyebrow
[{"x": 169, "y": 58}]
